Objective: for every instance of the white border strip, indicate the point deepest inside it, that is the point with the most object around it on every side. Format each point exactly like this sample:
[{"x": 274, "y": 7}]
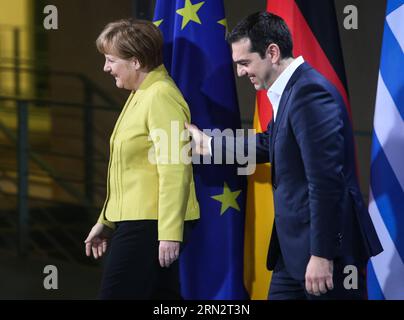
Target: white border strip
[{"x": 396, "y": 24}]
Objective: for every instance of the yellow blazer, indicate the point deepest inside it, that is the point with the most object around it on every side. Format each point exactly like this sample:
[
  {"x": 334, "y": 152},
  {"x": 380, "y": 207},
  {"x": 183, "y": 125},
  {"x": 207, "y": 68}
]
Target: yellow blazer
[{"x": 162, "y": 189}]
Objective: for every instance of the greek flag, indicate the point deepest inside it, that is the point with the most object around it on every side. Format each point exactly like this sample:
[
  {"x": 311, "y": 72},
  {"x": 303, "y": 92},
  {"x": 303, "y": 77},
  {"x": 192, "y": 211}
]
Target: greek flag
[{"x": 386, "y": 206}]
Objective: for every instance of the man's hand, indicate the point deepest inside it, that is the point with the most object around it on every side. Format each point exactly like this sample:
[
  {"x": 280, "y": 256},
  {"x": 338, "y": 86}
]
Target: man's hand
[
  {"x": 168, "y": 252},
  {"x": 201, "y": 141},
  {"x": 97, "y": 240},
  {"x": 318, "y": 276}
]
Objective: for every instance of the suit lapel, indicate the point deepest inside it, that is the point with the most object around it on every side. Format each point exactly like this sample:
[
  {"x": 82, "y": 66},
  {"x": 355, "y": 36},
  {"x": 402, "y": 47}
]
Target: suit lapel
[
  {"x": 282, "y": 106},
  {"x": 281, "y": 109}
]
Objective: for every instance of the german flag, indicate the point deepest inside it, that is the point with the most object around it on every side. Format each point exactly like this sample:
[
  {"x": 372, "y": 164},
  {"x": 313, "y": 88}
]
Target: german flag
[{"x": 315, "y": 35}]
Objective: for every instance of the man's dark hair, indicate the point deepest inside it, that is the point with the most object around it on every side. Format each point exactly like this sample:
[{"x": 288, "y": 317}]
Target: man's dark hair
[{"x": 263, "y": 28}]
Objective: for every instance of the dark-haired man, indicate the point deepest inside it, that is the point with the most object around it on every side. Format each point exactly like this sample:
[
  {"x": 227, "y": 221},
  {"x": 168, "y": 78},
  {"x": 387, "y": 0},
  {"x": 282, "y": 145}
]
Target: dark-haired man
[{"x": 321, "y": 222}]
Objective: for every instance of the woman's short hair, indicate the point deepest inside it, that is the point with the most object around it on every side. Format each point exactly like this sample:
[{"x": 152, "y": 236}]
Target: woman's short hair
[{"x": 128, "y": 38}]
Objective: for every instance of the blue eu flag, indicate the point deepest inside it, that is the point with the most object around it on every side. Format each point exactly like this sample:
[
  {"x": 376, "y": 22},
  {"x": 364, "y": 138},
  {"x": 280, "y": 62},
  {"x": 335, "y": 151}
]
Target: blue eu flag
[{"x": 199, "y": 60}]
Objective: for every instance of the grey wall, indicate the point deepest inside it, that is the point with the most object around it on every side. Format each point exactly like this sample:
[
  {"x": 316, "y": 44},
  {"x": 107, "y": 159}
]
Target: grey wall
[
  {"x": 361, "y": 50},
  {"x": 72, "y": 46}
]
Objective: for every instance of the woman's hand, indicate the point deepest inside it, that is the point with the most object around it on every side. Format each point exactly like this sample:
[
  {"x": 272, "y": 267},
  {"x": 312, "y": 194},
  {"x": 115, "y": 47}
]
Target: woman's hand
[
  {"x": 169, "y": 251},
  {"x": 97, "y": 240}
]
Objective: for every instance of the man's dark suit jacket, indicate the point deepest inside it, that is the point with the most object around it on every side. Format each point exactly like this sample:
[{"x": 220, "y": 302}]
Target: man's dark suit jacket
[{"x": 319, "y": 209}]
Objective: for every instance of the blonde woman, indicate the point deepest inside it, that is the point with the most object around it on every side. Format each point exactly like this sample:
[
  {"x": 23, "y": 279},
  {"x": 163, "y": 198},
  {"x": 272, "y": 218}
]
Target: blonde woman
[{"x": 149, "y": 202}]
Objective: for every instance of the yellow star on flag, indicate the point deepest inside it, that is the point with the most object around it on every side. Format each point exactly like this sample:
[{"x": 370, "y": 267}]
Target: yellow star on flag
[
  {"x": 189, "y": 12},
  {"x": 228, "y": 199},
  {"x": 223, "y": 22},
  {"x": 158, "y": 22}
]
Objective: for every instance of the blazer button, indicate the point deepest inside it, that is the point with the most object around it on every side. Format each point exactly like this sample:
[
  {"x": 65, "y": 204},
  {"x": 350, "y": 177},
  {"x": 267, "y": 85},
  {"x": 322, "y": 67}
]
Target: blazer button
[
  {"x": 274, "y": 185},
  {"x": 339, "y": 236}
]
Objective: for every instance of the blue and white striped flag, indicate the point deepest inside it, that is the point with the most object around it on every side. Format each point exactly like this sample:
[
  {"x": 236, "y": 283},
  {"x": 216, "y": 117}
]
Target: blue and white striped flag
[{"x": 386, "y": 206}]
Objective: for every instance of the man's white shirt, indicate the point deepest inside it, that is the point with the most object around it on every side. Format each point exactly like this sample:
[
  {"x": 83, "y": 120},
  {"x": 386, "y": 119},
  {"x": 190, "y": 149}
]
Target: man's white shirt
[{"x": 275, "y": 91}]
